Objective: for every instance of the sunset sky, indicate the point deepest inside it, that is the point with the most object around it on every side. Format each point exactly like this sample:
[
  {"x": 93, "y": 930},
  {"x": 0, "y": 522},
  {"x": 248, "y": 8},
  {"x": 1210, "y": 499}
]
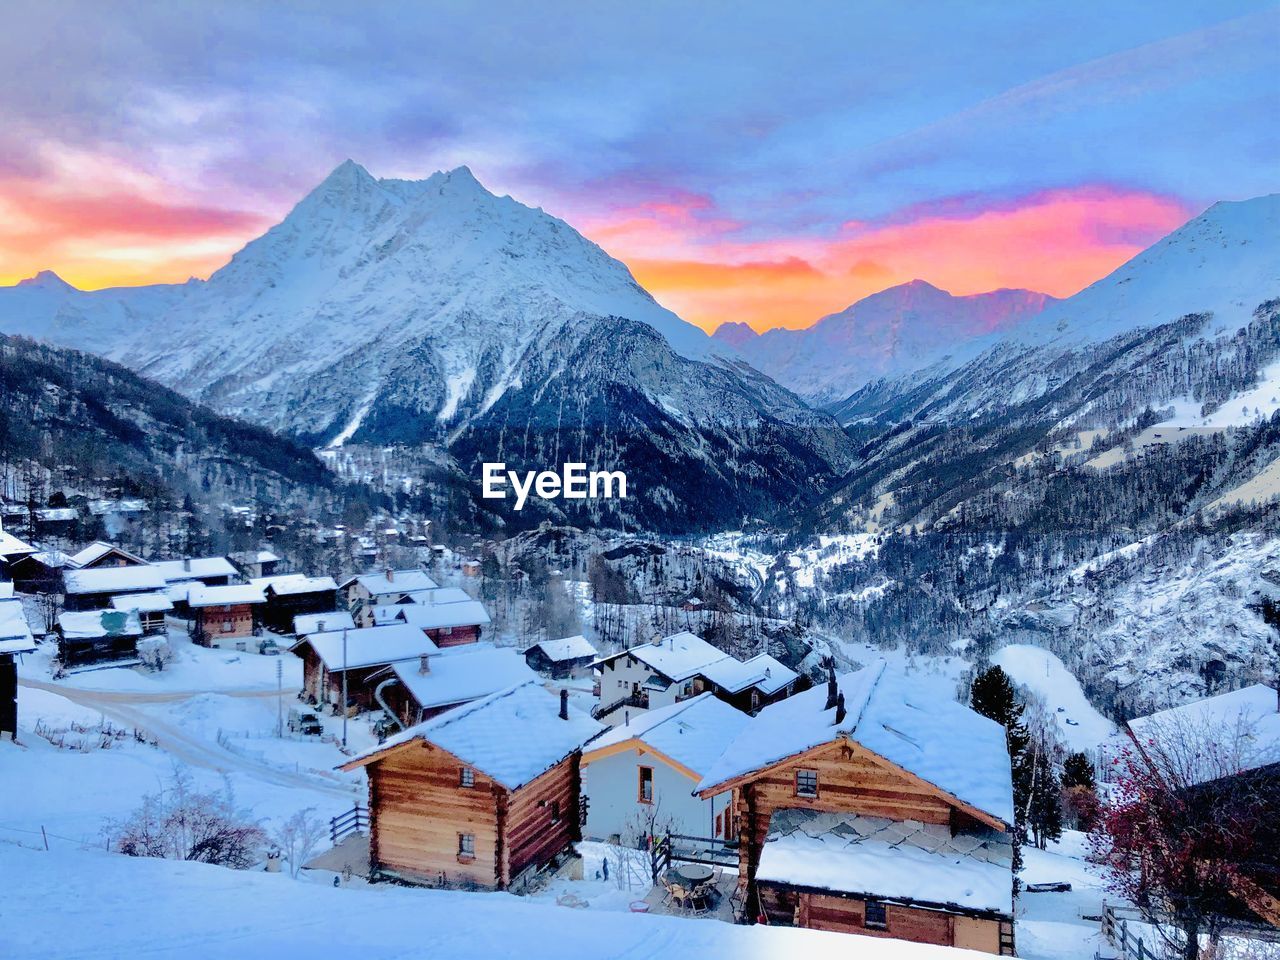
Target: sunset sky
[{"x": 768, "y": 163}]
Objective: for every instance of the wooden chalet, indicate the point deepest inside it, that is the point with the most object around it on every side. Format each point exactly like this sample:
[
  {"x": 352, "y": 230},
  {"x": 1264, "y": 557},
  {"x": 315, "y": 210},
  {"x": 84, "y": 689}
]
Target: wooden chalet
[
  {"x": 255, "y": 563},
  {"x": 290, "y": 597},
  {"x": 207, "y": 571},
  {"x": 359, "y": 654},
  {"x": 866, "y": 808},
  {"x": 93, "y": 637},
  {"x": 151, "y": 608},
  {"x": 103, "y": 554},
  {"x": 41, "y": 572},
  {"x": 483, "y": 796},
  {"x": 369, "y": 590},
  {"x": 415, "y": 690},
  {"x": 562, "y": 658},
  {"x": 91, "y": 588},
  {"x": 225, "y": 616},
  {"x": 11, "y": 551},
  {"x": 452, "y": 621},
  {"x": 15, "y": 640}
]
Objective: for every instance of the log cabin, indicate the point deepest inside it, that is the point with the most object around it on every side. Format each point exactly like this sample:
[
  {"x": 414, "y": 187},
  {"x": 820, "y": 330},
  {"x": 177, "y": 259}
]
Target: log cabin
[
  {"x": 255, "y": 563},
  {"x": 360, "y": 654},
  {"x": 869, "y": 808},
  {"x": 416, "y": 690},
  {"x": 92, "y": 588},
  {"x": 380, "y": 589},
  {"x": 225, "y": 616},
  {"x": 447, "y": 615},
  {"x": 151, "y": 609},
  {"x": 563, "y": 658},
  {"x": 98, "y": 636},
  {"x": 15, "y": 640},
  {"x": 482, "y": 796},
  {"x": 103, "y": 554},
  {"x": 297, "y": 596}
]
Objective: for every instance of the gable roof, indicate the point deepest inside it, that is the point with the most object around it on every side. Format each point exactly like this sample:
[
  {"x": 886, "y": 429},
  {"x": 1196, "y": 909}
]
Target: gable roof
[
  {"x": 512, "y": 736},
  {"x": 678, "y": 657},
  {"x": 368, "y": 646},
  {"x": 305, "y": 623},
  {"x": 693, "y": 733},
  {"x": 576, "y": 647},
  {"x": 141, "y": 579},
  {"x": 99, "y": 549},
  {"x": 142, "y": 602},
  {"x": 236, "y": 593},
  {"x": 437, "y": 616},
  {"x": 194, "y": 568},
  {"x": 15, "y": 633},
  {"x": 301, "y": 584},
  {"x": 767, "y": 674},
  {"x": 941, "y": 742},
  {"x": 11, "y": 546},
  {"x": 95, "y": 624},
  {"x": 1234, "y": 731},
  {"x": 401, "y": 581},
  {"x": 464, "y": 673}
]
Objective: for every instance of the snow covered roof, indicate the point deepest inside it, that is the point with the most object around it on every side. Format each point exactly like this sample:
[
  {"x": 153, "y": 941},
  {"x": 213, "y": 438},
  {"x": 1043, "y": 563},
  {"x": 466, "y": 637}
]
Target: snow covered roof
[
  {"x": 142, "y": 602},
  {"x": 224, "y": 596},
  {"x": 100, "y": 508},
  {"x": 93, "y": 624},
  {"x": 566, "y": 648},
  {"x": 679, "y": 656},
  {"x": 889, "y": 859},
  {"x": 300, "y": 584},
  {"x": 15, "y": 633},
  {"x": 694, "y": 733},
  {"x": 54, "y": 514},
  {"x": 940, "y": 741},
  {"x": 1231, "y": 732},
  {"x": 11, "y": 546},
  {"x": 513, "y": 735},
  {"x": 113, "y": 580},
  {"x": 99, "y": 549},
  {"x": 437, "y": 616},
  {"x": 305, "y": 623},
  {"x": 400, "y": 581},
  {"x": 254, "y": 556},
  {"x": 54, "y": 559},
  {"x": 439, "y": 595},
  {"x": 765, "y": 673},
  {"x": 195, "y": 568},
  {"x": 369, "y": 646},
  {"x": 460, "y": 674},
  {"x": 263, "y": 582}
]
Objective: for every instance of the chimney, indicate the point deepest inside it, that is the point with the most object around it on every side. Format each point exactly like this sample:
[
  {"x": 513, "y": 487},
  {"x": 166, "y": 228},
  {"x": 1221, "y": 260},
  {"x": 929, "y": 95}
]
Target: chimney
[
  {"x": 186, "y": 564},
  {"x": 831, "y": 684},
  {"x": 840, "y": 710},
  {"x": 424, "y": 663},
  {"x": 391, "y": 575},
  {"x": 319, "y": 626},
  {"x": 564, "y": 703}
]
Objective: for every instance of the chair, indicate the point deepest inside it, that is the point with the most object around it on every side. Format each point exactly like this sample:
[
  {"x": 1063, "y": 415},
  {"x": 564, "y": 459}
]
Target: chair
[{"x": 680, "y": 896}]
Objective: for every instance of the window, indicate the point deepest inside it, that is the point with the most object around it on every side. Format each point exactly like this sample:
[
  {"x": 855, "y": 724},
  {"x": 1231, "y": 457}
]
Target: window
[
  {"x": 555, "y": 811},
  {"x": 755, "y": 700},
  {"x": 467, "y": 778},
  {"x": 806, "y": 783},
  {"x": 466, "y": 846},
  {"x": 875, "y": 917},
  {"x": 227, "y": 626},
  {"x": 645, "y": 794}
]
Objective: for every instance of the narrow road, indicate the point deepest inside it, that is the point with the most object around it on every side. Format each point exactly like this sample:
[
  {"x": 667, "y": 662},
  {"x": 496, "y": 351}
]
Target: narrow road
[{"x": 126, "y": 709}]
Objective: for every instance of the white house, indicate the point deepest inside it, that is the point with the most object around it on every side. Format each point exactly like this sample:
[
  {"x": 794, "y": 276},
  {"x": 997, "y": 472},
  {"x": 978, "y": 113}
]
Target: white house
[
  {"x": 651, "y": 765},
  {"x": 383, "y": 588}
]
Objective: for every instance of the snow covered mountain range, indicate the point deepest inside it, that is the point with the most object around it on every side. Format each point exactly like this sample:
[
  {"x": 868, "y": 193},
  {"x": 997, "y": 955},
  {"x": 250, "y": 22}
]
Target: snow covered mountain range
[
  {"x": 433, "y": 312},
  {"x": 896, "y": 331}
]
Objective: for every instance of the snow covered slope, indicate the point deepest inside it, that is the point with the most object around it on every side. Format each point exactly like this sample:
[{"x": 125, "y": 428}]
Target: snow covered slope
[
  {"x": 890, "y": 333},
  {"x": 364, "y": 281}
]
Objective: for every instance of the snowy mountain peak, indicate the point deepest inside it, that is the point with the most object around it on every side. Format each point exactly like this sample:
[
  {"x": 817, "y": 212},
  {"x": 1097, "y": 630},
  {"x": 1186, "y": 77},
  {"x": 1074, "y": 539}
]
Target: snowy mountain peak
[{"x": 46, "y": 280}]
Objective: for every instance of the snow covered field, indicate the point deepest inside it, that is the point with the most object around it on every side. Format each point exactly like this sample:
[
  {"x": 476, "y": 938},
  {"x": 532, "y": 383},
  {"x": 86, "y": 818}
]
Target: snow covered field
[{"x": 1080, "y": 726}]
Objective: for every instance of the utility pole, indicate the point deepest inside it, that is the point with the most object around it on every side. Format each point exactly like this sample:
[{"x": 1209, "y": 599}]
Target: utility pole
[
  {"x": 279, "y": 698},
  {"x": 344, "y": 686}
]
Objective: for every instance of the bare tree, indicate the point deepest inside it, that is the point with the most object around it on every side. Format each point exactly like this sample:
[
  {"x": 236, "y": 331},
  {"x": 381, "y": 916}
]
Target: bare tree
[
  {"x": 181, "y": 823},
  {"x": 647, "y": 828},
  {"x": 1191, "y": 821},
  {"x": 299, "y": 838}
]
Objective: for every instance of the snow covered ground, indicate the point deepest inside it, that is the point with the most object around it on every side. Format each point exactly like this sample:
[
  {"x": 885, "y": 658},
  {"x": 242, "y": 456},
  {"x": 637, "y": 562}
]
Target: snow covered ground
[{"x": 1080, "y": 726}]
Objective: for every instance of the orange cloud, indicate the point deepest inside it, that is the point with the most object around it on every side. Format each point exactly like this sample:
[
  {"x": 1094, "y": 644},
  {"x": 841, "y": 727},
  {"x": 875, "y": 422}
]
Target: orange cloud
[
  {"x": 1056, "y": 242},
  {"x": 98, "y": 222}
]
